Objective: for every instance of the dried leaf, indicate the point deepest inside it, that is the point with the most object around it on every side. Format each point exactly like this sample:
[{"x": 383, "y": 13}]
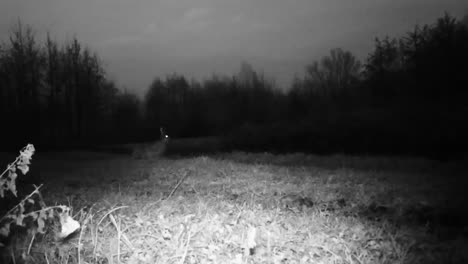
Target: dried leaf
[
  {"x": 3, "y": 186},
  {"x": 50, "y": 213},
  {"x": 40, "y": 225},
  {"x": 34, "y": 216},
  {"x": 11, "y": 186},
  {"x": 5, "y": 230},
  {"x": 27, "y": 152},
  {"x": 12, "y": 175},
  {"x": 19, "y": 220},
  {"x": 21, "y": 208},
  {"x": 23, "y": 161},
  {"x": 44, "y": 213},
  {"x": 23, "y": 168}
]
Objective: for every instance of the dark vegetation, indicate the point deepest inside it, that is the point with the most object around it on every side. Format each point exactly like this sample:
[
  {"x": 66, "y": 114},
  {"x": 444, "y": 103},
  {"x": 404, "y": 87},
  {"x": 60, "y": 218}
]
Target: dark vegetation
[{"x": 409, "y": 97}]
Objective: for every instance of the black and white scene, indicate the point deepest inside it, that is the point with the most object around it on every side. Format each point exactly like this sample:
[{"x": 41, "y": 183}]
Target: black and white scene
[{"x": 233, "y": 131}]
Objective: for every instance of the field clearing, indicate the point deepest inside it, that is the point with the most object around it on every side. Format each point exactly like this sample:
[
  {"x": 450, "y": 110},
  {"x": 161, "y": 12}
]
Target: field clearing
[{"x": 254, "y": 208}]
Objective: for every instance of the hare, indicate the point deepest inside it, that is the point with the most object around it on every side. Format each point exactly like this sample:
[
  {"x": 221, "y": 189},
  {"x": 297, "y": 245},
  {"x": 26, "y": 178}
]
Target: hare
[
  {"x": 154, "y": 149},
  {"x": 163, "y": 136}
]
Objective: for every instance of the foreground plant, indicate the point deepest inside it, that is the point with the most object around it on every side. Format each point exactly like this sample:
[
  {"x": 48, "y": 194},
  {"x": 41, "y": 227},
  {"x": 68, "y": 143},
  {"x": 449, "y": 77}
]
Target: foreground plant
[{"x": 31, "y": 212}]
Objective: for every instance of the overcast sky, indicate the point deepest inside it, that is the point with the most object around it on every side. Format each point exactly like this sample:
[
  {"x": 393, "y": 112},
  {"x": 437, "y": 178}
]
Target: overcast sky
[{"x": 141, "y": 39}]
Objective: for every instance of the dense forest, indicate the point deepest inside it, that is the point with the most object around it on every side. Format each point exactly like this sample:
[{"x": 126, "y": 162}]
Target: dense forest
[{"x": 408, "y": 97}]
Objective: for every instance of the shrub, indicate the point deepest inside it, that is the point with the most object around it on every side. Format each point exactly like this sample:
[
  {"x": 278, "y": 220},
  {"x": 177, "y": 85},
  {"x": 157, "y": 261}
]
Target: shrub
[{"x": 31, "y": 212}]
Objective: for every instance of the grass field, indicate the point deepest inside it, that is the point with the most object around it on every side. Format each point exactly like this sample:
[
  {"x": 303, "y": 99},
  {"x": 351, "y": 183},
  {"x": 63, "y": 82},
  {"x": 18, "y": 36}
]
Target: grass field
[{"x": 252, "y": 208}]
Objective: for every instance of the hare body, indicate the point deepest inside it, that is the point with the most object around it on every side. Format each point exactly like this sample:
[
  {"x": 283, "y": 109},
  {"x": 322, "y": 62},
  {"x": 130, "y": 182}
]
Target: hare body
[{"x": 152, "y": 150}]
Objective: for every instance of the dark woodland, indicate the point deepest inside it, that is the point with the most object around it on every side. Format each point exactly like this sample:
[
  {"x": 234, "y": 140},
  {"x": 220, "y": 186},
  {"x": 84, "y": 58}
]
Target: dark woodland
[{"x": 408, "y": 97}]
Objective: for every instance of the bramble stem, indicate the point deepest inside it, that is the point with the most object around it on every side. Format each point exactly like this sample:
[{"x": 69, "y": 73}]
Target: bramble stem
[{"x": 22, "y": 202}]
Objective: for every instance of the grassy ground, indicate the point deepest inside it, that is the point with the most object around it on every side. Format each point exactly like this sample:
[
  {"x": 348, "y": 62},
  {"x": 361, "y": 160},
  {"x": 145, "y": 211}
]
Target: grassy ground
[{"x": 253, "y": 208}]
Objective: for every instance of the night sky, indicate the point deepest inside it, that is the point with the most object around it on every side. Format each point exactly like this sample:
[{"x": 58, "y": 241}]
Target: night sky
[{"x": 141, "y": 39}]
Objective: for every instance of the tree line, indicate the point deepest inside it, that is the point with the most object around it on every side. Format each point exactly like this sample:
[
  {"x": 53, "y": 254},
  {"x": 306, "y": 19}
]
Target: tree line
[
  {"x": 57, "y": 95},
  {"x": 409, "y": 96}
]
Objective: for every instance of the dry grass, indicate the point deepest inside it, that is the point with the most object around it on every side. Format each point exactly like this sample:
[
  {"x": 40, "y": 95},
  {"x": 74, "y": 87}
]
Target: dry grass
[{"x": 250, "y": 208}]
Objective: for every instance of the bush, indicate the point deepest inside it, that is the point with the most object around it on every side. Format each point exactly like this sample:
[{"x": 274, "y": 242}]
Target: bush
[{"x": 30, "y": 212}]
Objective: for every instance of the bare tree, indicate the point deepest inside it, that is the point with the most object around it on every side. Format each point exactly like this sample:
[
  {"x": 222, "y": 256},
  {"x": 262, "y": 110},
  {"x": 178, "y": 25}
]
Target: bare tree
[{"x": 334, "y": 73}]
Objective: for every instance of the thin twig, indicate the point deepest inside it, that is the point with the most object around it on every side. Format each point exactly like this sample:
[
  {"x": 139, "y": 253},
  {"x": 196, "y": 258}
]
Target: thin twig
[
  {"x": 97, "y": 227},
  {"x": 10, "y": 166},
  {"x": 83, "y": 227},
  {"x": 13, "y": 257},
  {"x": 41, "y": 200},
  {"x": 182, "y": 260},
  {"x": 46, "y": 258},
  {"x": 177, "y": 185},
  {"x": 14, "y": 162},
  {"x": 30, "y": 243},
  {"x": 119, "y": 235}
]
